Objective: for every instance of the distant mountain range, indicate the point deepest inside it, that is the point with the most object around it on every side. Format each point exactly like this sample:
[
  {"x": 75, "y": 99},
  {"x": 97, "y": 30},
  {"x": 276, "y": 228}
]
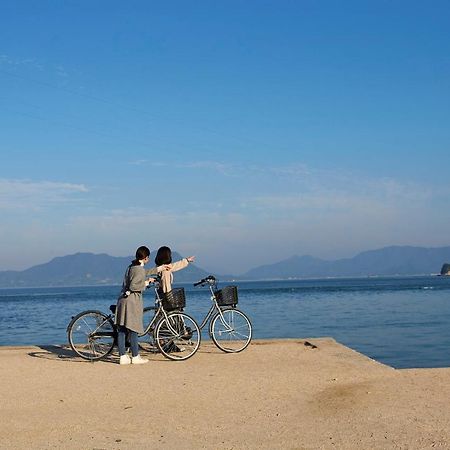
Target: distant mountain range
[
  {"x": 97, "y": 269},
  {"x": 83, "y": 269},
  {"x": 388, "y": 261}
]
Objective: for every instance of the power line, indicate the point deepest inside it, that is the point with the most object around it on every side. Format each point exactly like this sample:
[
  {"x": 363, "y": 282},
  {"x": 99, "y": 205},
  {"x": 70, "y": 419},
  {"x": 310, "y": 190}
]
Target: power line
[{"x": 242, "y": 140}]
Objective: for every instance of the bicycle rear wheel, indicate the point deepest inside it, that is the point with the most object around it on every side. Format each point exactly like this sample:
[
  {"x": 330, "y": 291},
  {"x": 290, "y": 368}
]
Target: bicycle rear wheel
[
  {"x": 177, "y": 336},
  {"x": 91, "y": 335},
  {"x": 147, "y": 340},
  {"x": 231, "y": 330}
]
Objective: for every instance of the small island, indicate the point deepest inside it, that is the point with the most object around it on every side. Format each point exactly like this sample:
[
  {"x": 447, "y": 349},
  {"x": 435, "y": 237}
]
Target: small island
[{"x": 445, "y": 269}]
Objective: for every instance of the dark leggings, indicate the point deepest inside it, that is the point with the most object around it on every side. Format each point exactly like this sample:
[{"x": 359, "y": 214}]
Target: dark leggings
[{"x": 132, "y": 335}]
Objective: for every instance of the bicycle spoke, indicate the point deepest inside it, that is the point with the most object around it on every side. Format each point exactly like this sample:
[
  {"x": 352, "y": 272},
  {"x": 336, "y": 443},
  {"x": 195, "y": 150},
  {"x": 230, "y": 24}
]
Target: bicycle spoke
[{"x": 177, "y": 336}]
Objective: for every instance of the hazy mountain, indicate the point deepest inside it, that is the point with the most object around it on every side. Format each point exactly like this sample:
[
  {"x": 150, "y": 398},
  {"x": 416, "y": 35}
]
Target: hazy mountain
[
  {"x": 397, "y": 260},
  {"x": 84, "y": 269},
  {"x": 293, "y": 267}
]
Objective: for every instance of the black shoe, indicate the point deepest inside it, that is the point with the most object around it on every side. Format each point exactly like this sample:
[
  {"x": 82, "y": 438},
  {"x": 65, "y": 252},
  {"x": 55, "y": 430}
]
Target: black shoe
[{"x": 172, "y": 348}]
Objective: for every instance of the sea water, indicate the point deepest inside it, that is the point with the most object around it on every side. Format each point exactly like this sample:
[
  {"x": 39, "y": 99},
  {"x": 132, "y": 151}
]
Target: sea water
[{"x": 399, "y": 321}]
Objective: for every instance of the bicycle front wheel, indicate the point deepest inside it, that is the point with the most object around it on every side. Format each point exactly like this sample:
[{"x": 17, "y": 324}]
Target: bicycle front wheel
[
  {"x": 231, "y": 330},
  {"x": 91, "y": 335},
  {"x": 177, "y": 336}
]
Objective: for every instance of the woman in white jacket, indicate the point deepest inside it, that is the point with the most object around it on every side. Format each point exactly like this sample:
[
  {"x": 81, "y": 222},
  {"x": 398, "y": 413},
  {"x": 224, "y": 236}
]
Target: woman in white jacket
[{"x": 164, "y": 258}]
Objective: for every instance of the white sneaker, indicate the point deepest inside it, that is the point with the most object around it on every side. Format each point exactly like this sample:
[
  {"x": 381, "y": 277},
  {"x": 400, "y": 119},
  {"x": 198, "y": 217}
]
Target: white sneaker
[
  {"x": 125, "y": 359},
  {"x": 138, "y": 360}
]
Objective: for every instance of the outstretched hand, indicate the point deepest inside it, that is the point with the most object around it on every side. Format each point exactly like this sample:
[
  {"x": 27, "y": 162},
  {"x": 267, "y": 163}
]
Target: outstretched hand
[{"x": 191, "y": 258}]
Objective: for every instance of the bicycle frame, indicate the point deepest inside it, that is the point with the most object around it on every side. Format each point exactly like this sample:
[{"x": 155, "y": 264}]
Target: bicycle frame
[
  {"x": 214, "y": 307},
  {"x": 229, "y": 328},
  {"x": 159, "y": 311}
]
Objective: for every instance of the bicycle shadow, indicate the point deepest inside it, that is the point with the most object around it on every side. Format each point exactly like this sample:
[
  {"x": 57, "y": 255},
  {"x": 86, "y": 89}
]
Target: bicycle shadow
[{"x": 66, "y": 354}]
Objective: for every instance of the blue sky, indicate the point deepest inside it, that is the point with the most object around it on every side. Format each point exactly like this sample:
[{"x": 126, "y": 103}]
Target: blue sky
[{"x": 242, "y": 132}]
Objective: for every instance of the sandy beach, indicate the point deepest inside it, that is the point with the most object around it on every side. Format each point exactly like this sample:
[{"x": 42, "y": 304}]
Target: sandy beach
[{"x": 276, "y": 394}]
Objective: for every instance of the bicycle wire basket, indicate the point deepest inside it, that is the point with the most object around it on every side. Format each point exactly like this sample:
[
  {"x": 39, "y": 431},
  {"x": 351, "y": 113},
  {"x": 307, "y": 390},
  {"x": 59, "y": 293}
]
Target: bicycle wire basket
[
  {"x": 227, "y": 296},
  {"x": 174, "y": 299}
]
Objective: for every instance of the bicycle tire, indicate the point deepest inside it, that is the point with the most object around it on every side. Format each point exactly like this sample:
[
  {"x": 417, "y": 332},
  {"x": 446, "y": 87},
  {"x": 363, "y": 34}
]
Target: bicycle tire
[
  {"x": 177, "y": 336},
  {"x": 92, "y": 335},
  {"x": 231, "y": 330}
]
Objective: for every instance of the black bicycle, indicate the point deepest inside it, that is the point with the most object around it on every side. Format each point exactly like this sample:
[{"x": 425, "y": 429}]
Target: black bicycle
[
  {"x": 229, "y": 328},
  {"x": 93, "y": 334}
]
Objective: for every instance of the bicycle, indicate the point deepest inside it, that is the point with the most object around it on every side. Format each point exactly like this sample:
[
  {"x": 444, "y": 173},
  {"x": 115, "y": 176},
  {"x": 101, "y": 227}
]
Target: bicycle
[
  {"x": 229, "y": 328},
  {"x": 92, "y": 334}
]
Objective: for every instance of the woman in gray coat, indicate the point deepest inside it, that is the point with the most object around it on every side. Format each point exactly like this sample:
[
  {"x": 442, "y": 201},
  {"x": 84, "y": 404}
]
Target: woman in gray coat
[{"x": 129, "y": 311}]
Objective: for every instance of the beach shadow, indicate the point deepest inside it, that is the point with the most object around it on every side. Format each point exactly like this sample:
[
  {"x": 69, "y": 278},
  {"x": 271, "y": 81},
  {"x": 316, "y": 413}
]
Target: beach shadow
[{"x": 66, "y": 354}]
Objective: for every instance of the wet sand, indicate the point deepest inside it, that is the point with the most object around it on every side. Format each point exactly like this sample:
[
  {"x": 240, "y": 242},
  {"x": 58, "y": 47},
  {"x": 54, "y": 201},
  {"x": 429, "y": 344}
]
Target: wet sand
[{"x": 279, "y": 394}]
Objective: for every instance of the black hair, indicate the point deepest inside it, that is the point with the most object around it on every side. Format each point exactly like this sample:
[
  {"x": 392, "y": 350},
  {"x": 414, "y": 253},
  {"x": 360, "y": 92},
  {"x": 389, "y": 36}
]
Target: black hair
[
  {"x": 141, "y": 253},
  {"x": 163, "y": 256}
]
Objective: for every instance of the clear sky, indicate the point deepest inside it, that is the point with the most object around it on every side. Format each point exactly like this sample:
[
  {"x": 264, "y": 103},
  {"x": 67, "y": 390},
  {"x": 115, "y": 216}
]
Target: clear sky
[{"x": 242, "y": 132}]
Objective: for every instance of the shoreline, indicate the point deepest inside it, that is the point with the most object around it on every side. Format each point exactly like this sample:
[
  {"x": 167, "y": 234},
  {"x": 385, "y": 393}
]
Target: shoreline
[
  {"x": 275, "y": 394},
  {"x": 238, "y": 280}
]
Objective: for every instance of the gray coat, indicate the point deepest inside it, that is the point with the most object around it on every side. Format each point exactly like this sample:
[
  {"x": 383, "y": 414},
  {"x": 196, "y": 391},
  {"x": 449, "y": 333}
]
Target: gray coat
[{"x": 129, "y": 311}]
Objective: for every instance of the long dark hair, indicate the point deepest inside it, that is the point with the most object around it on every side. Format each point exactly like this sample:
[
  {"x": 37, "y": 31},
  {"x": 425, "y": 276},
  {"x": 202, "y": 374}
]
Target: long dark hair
[
  {"x": 141, "y": 253},
  {"x": 163, "y": 256}
]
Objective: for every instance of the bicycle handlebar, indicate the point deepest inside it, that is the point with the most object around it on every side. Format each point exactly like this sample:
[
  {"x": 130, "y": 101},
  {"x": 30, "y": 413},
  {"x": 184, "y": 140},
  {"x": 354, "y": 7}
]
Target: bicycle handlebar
[
  {"x": 156, "y": 280},
  {"x": 209, "y": 279}
]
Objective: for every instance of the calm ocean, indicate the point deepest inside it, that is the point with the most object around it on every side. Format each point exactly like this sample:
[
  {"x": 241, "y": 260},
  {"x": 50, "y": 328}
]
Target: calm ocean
[{"x": 402, "y": 322}]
